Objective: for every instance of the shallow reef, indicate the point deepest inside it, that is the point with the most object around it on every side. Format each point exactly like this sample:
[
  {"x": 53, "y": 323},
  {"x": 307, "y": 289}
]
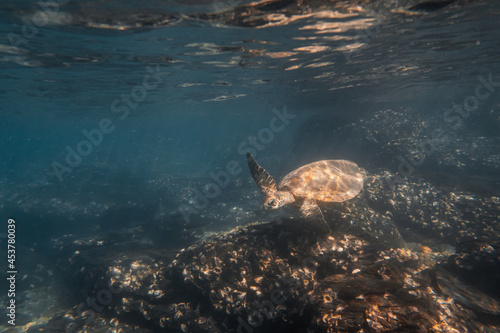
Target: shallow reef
[{"x": 282, "y": 276}]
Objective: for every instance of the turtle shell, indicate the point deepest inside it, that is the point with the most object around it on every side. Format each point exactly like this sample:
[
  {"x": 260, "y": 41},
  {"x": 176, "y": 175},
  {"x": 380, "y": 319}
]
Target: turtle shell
[{"x": 327, "y": 181}]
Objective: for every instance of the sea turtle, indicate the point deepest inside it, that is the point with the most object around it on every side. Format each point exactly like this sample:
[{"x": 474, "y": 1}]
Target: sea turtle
[{"x": 323, "y": 181}]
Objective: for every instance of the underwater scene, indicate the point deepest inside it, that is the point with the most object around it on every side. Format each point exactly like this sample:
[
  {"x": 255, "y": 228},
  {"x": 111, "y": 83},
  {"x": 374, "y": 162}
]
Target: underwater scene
[{"x": 250, "y": 166}]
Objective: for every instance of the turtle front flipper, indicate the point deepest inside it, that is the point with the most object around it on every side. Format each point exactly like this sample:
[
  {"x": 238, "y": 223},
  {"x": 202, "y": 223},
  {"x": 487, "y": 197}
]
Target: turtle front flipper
[
  {"x": 263, "y": 179},
  {"x": 310, "y": 210}
]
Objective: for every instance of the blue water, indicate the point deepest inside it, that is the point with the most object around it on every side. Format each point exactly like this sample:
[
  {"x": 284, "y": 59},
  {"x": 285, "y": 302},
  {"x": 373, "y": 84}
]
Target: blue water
[{"x": 166, "y": 106}]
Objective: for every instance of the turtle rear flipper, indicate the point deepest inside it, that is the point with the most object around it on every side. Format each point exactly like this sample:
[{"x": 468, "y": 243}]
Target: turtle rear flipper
[
  {"x": 263, "y": 179},
  {"x": 310, "y": 210}
]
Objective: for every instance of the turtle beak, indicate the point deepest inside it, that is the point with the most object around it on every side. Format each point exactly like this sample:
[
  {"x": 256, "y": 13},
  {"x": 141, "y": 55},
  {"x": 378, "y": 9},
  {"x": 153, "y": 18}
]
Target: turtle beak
[{"x": 268, "y": 204}]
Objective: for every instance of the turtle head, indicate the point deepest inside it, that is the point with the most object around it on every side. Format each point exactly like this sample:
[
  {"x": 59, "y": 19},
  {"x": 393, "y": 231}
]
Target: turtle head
[{"x": 278, "y": 199}]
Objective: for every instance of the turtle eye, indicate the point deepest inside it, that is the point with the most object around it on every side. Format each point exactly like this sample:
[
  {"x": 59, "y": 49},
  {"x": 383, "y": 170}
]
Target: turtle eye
[{"x": 270, "y": 202}]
